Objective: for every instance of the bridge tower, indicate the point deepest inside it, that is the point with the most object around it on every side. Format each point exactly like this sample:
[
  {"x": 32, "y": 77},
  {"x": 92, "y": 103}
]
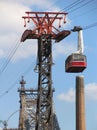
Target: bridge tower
[{"x": 28, "y": 101}]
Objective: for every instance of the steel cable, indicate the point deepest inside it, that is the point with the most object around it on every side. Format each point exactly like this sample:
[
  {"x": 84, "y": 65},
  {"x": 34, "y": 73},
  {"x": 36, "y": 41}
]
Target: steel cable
[
  {"x": 90, "y": 26},
  {"x": 16, "y": 81},
  {"x": 84, "y": 4}
]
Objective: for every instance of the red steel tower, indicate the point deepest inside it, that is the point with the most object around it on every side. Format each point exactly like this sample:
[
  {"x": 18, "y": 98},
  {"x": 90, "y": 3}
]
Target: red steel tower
[{"x": 45, "y": 30}]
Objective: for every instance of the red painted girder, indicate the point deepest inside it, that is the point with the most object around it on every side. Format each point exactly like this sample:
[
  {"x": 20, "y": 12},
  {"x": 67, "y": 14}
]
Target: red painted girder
[{"x": 29, "y": 34}]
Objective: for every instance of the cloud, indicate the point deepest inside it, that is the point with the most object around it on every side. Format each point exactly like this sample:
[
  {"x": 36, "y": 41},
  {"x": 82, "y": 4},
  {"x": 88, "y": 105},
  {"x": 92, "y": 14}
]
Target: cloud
[
  {"x": 44, "y": 4},
  {"x": 1, "y": 53},
  {"x": 90, "y": 93},
  {"x": 68, "y": 97},
  {"x": 11, "y": 13},
  {"x": 63, "y": 48},
  {"x": 26, "y": 50},
  {"x": 11, "y": 27}
]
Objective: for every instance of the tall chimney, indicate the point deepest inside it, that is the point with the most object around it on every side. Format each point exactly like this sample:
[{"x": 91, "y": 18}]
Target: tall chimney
[{"x": 80, "y": 104}]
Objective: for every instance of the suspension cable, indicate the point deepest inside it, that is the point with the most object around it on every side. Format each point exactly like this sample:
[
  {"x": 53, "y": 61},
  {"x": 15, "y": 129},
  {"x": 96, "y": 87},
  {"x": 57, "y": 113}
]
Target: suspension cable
[
  {"x": 9, "y": 57},
  {"x": 84, "y": 4},
  {"x": 70, "y": 6},
  {"x": 90, "y": 26},
  {"x": 16, "y": 81}
]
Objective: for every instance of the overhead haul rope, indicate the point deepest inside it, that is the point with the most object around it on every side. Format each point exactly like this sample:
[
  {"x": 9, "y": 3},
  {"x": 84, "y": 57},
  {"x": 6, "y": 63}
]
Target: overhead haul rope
[
  {"x": 70, "y": 6},
  {"x": 84, "y": 4},
  {"x": 84, "y": 13},
  {"x": 16, "y": 81},
  {"x": 90, "y": 26},
  {"x": 74, "y": 4},
  {"x": 80, "y": 4},
  {"x": 9, "y": 57}
]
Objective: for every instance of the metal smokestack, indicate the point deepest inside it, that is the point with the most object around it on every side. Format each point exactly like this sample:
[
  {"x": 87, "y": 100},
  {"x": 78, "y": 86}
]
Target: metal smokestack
[{"x": 80, "y": 104}]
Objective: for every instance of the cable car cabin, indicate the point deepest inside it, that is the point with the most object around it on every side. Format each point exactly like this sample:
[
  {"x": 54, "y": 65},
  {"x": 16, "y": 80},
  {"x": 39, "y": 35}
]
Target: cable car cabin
[{"x": 75, "y": 63}]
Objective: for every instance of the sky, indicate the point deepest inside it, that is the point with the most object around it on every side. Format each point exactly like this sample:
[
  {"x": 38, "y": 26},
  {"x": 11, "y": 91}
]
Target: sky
[{"x": 23, "y": 62}]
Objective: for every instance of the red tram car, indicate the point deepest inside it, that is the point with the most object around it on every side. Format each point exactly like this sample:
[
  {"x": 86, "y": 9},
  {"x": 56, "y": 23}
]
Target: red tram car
[{"x": 75, "y": 63}]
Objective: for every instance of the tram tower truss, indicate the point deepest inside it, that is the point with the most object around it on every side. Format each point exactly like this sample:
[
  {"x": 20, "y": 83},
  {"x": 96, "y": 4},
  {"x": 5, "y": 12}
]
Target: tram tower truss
[{"x": 45, "y": 31}]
